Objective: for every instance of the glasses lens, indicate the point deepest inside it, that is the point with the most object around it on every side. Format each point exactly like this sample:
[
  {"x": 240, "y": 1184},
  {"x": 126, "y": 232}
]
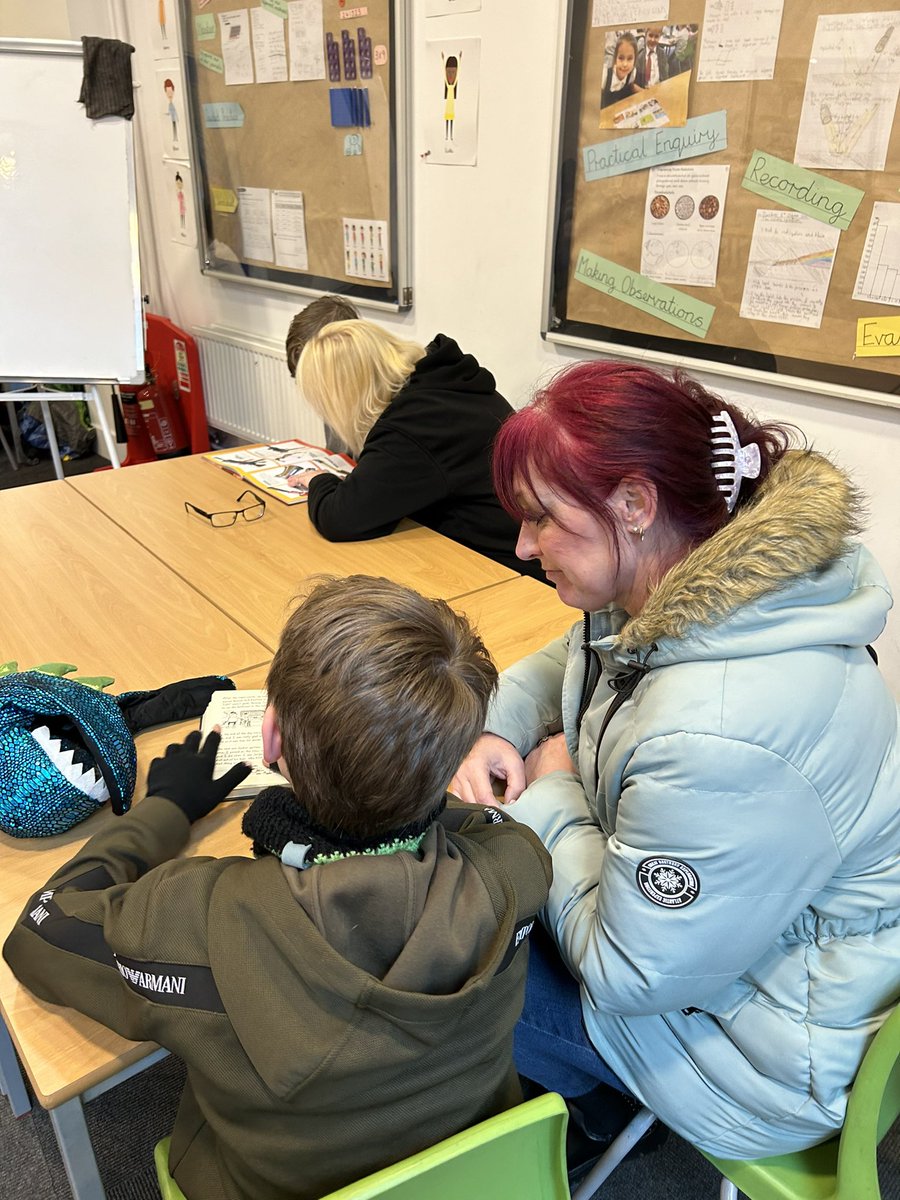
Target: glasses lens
[
  {"x": 220, "y": 519},
  {"x": 254, "y": 512}
]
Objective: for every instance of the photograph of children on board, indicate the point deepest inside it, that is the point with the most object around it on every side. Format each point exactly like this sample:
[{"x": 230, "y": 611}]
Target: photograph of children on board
[{"x": 650, "y": 67}]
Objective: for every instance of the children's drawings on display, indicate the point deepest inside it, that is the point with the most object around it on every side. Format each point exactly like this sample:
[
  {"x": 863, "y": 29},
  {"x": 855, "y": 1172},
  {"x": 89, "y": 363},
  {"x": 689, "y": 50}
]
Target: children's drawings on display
[
  {"x": 442, "y": 8},
  {"x": 366, "y": 249},
  {"x": 170, "y": 93},
  {"x": 255, "y": 215},
  {"x": 683, "y": 224},
  {"x": 675, "y": 308},
  {"x": 289, "y": 230},
  {"x": 236, "y": 53},
  {"x": 851, "y": 92},
  {"x": 628, "y": 12},
  {"x": 268, "y": 46},
  {"x": 740, "y": 40},
  {"x": 817, "y": 196},
  {"x": 701, "y": 135},
  {"x": 181, "y": 217},
  {"x": 878, "y": 278},
  {"x": 788, "y": 269},
  {"x": 164, "y": 28},
  {"x": 450, "y": 123},
  {"x": 646, "y": 76},
  {"x": 878, "y": 337},
  {"x": 306, "y": 37}
]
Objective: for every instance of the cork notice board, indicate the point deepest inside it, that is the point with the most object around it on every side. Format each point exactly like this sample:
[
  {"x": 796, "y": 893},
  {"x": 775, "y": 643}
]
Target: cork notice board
[
  {"x": 657, "y": 248},
  {"x": 298, "y": 112}
]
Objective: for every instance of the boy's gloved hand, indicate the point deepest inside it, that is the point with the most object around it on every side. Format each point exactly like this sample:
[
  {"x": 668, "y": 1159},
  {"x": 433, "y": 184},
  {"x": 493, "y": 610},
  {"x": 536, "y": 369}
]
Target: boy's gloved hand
[{"x": 184, "y": 775}]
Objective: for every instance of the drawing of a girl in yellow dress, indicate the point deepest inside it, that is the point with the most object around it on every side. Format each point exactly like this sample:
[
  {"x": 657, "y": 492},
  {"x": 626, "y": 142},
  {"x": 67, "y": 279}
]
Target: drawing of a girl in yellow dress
[{"x": 451, "y": 83}]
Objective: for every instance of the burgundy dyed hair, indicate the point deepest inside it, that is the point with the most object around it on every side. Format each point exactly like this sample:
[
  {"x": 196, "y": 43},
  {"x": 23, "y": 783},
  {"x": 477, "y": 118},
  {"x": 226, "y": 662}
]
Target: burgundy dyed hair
[{"x": 597, "y": 423}]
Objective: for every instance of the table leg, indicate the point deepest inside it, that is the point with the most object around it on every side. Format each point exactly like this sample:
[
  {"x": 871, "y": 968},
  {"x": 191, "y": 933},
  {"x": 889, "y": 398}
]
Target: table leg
[
  {"x": 51, "y": 437},
  {"x": 11, "y": 1082},
  {"x": 77, "y": 1152}
]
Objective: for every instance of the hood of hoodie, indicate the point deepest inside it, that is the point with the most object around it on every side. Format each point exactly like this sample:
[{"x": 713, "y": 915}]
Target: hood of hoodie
[
  {"x": 784, "y": 572},
  {"x": 396, "y": 948},
  {"x": 446, "y": 368}
]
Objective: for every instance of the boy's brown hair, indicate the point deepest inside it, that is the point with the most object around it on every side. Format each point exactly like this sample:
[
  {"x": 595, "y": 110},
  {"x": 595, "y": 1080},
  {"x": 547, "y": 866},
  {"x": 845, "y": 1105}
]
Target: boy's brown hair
[
  {"x": 310, "y": 320},
  {"x": 379, "y": 695}
]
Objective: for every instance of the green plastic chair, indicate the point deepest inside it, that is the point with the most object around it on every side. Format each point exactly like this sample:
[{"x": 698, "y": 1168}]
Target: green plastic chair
[
  {"x": 841, "y": 1169},
  {"x": 516, "y": 1155}
]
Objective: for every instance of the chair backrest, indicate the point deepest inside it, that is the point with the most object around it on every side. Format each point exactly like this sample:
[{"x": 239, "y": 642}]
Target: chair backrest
[
  {"x": 873, "y": 1107},
  {"x": 516, "y": 1155}
]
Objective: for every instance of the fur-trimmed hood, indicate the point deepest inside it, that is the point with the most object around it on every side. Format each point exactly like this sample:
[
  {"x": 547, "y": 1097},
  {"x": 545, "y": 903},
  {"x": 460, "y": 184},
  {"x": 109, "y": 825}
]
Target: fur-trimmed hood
[{"x": 801, "y": 522}]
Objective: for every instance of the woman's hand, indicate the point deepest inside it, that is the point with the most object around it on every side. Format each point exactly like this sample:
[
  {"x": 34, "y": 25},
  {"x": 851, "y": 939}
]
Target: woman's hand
[
  {"x": 491, "y": 757},
  {"x": 301, "y": 480},
  {"x": 552, "y": 754}
]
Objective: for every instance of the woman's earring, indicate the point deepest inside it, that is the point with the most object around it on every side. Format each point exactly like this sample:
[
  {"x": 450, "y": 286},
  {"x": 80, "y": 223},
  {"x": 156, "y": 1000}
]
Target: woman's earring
[{"x": 638, "y": 531}]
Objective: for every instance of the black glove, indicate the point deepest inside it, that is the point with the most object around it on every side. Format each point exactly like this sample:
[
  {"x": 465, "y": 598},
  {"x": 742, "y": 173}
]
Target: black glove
[
  {"x": 175, "y": 702},
  {"x": 184, "y": 776}
]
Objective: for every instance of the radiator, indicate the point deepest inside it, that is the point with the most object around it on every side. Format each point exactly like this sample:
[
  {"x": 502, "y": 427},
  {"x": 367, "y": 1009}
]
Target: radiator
[{"x": 248, "y": 390}]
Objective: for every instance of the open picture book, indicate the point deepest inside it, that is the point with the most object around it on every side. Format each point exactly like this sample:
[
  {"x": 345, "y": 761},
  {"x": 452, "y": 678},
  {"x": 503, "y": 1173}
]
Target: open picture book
[
  {"x": 240, "y": 716},
  {"x": 270, "y": 466}
]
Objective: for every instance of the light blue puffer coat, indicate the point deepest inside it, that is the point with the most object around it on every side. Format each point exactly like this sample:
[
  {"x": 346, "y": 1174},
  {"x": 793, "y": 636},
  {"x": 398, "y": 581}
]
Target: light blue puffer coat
[{"x": 727, "y": 864}]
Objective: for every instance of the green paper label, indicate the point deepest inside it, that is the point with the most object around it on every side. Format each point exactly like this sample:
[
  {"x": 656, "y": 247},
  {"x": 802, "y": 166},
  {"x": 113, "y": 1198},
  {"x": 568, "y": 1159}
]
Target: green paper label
[
  {"x": 658, "y": 299},
  {"x": 212, "y": 62},
  {"x": 205, "y": 26},
  {"x": 278, "y": 7},
  {"x": 804, "y": 191}
]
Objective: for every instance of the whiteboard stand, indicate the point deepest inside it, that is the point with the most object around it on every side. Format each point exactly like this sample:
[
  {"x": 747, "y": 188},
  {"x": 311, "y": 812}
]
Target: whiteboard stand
[{"x": 88, "y": 394}]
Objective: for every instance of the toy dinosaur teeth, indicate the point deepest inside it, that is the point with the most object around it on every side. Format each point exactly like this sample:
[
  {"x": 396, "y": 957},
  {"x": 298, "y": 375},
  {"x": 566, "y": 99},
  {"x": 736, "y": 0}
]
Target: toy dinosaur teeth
[{"x": 86, "y": 779}]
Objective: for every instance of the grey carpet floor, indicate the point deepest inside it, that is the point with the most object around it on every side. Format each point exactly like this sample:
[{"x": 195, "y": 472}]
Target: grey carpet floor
[{"x": 126, "y": 1123}]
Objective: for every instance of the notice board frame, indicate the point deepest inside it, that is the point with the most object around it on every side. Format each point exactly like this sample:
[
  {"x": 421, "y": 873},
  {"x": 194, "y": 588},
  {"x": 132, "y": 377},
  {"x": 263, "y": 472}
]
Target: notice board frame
[
  {"x": 621, "y": 330},
  {"x": 279, "y": 107}
]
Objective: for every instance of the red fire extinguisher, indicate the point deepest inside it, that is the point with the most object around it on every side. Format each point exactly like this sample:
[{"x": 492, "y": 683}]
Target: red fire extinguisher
[{"x": 162, "y": 419}]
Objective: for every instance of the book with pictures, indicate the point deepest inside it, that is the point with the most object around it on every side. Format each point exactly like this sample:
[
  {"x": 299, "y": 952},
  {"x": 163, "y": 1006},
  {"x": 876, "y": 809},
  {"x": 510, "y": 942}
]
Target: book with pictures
[
  {"x": 240, "y": 714},
  {"x": 270, "y": 465}
]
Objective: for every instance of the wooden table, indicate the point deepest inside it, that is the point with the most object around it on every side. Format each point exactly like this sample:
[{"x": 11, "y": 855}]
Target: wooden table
[
  {"x": 253, "y": 570},
  {"x": 76, "y": 588},
  {"x": 113, "y": 582}
]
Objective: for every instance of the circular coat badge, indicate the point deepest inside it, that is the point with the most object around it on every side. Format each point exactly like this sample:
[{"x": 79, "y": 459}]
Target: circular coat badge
[{"x": 668, "y": 882}]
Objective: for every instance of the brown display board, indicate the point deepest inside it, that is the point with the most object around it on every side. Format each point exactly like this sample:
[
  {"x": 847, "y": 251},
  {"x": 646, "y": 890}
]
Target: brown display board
[
  {"x": 620, "y": 251},
  {"x": 301, "y": 179}
]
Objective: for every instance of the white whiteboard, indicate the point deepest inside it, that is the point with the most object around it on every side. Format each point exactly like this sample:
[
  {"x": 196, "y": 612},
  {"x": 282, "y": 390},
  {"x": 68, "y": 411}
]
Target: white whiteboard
[{"x": 70, "y": 295}]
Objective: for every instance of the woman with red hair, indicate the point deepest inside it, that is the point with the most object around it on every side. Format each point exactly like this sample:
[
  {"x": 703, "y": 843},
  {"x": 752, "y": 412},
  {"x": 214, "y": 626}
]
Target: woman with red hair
[{"x": 711, "y": 756}]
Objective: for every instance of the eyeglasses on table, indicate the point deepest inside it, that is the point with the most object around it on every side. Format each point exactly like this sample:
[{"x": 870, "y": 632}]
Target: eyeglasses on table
[{"x": 251, "y": 511}]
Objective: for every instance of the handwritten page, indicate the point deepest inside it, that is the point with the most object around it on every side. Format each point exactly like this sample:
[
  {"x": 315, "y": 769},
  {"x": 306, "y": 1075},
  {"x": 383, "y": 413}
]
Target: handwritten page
[
  {"x": 306, "y": 35},
  {"x": 289, "y": 230},
  {"x": 683, "y": 224},
  {"x": 878, "y": 279},
  {"x": 628, "y": 12},
  {"x": 236, "y": 53},
  {"x": 740, "y": 39},
  {"x": 256, "y": 223},
  {"x": 789, "y": 269},
  {"x": 851, "y": 92},
  {"x": 268, "y": 46}
]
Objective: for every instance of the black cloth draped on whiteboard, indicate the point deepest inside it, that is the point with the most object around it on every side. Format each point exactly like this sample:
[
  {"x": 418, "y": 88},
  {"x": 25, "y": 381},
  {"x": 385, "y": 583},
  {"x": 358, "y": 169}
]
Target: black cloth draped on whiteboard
[{"x": 106, "y": 90}]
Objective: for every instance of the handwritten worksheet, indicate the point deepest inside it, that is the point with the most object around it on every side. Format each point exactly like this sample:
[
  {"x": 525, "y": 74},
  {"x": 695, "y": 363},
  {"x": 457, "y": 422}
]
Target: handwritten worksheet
[
  {"x": 683, "y": 224},
  {"x": 878, "y": 278},
  {"x": 268, "y": 46},
  {"x": 306, "y": 34},
  {"x": 740, "y": 40},
  {"x": 789, "y": 269},
  {"x": 851, "y": 92},
  {"x": 628, "y": 12},
  {"x": 255, "y": 216}
]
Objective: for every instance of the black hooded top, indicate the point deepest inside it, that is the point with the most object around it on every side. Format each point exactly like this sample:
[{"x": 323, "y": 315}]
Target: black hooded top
[{"x": 428, "y": 457}]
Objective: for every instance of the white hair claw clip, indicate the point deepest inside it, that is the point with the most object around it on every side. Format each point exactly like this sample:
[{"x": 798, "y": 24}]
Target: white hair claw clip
[{"x": 732, "y": 463}]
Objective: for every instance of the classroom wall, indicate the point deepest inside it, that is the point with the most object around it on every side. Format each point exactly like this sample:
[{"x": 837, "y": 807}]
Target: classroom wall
[{"x": 479, "y": 246}]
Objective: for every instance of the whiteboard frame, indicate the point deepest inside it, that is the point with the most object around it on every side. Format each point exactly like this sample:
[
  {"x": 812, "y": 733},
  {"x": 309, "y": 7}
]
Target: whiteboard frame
[
  {"x": 74, "y": 50},
  {"x": 653, "y": 357}
]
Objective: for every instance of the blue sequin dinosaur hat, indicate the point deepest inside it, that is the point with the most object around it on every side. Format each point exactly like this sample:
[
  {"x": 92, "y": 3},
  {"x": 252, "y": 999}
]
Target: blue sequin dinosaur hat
[{"x": 66, "y": 748}]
